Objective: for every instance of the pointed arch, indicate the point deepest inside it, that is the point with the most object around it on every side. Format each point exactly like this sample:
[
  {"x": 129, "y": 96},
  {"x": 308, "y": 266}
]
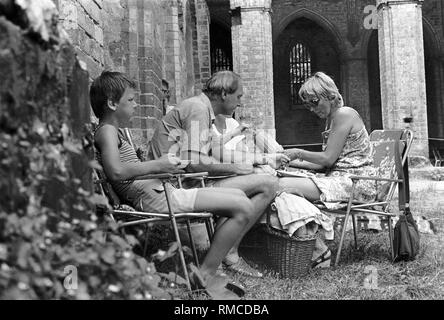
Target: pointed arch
[
  {"x": 317, "y": 18},
  {"x": 428, "y": 31}
]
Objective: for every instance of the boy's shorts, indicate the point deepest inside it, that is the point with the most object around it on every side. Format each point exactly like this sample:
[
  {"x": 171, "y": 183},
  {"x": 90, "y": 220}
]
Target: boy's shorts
[{"x": 151, "y": 198}]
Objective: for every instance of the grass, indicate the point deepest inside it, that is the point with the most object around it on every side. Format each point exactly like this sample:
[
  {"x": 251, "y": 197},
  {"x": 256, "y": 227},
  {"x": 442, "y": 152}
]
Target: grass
[{"x": 419, "y": 279}]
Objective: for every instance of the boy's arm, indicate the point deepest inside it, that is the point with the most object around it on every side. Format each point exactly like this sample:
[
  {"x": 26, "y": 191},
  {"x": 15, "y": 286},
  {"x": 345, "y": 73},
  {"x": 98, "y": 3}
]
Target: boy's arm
[{"x": 107, "y": 141}]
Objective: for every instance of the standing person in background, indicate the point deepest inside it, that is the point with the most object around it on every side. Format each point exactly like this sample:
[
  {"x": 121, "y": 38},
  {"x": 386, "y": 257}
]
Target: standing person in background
[{"x": 166, "y": 107}]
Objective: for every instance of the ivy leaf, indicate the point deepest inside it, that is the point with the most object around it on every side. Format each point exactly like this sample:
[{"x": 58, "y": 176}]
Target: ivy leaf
[
  {"x": 94, "y": 164},
  {"x": 108, "y": 255},
  {"x": 22, "y": 254},
  {"x": 132, "y": 240},
  {"x": 3, "y": 252},
  {"x": 94, "y": 281},
  {"x": 143, "y": 264},
  {"x": 72, "y": 147},
  {"x": 98, "y": 236},
  {"x": 119, "y": 241},
  {"x": 39, "y": 128}
]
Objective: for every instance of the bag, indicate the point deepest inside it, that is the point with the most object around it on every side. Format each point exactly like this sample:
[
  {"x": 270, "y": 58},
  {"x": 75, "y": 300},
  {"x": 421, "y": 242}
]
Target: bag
[{"x": 406, "y": 237}]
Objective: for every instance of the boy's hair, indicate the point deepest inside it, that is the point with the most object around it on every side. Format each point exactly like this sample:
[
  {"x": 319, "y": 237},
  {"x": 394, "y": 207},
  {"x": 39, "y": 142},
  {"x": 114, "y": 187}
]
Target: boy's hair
[
  {"x": 321, "y": 85},
  {"x": 222, "y": 81},
  {"x": 108, "y": 86}
]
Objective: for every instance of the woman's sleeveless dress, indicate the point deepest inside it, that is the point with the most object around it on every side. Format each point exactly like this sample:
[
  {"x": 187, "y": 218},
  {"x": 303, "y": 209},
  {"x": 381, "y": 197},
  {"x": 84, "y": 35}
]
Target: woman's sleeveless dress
[{"x": 355, "y": 159}]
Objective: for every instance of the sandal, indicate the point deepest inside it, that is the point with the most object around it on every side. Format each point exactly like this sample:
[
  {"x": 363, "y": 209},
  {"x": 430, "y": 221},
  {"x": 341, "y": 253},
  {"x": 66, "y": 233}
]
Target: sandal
[
  {"x": 242, "y": 267},
  {"x": 323, "y": 261}
]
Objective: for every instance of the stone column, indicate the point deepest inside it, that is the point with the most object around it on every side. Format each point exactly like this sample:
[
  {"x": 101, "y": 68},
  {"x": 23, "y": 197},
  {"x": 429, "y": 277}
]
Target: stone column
[
  {"x": 201, "y": 45},
  {"x": 172, "y": 51},
  {"x": 253, "y": 60},
  {"x": 401, "y": 52},
  {"x": 356, "y": 89}
]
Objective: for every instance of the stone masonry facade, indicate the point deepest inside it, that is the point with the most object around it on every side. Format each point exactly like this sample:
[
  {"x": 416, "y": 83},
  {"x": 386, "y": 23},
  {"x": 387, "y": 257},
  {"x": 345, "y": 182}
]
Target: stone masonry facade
[
  {"x": 344, "y": 23},
  {"x": 153, "y": 40},
  {"x": 252, "y": 60},
  {"x": 149, "y": 40}
]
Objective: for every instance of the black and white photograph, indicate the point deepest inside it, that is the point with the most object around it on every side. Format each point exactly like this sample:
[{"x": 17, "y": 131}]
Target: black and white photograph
[{"x": 216, "y": 158}]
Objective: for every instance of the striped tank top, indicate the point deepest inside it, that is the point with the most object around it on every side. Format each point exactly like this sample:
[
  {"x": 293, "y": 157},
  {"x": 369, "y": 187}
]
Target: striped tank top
[{"x": 127, "y": 154}]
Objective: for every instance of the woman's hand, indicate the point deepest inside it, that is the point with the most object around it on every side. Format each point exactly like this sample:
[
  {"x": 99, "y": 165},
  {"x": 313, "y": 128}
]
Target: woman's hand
[
  {"x": 293, "y": 154},
  {"x": 277, "y": 160}
]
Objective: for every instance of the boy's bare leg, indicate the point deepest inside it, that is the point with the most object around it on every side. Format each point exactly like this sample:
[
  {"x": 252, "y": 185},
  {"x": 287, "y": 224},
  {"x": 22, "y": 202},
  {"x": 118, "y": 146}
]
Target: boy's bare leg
[{"x": 238, "y": 210}]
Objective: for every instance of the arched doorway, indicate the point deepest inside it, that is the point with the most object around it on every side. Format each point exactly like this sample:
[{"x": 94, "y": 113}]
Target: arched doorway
[
  {"x": 301, "y": 49},
  {"x": 435, "y": 108},
  {"x": 221, "y": 49}
]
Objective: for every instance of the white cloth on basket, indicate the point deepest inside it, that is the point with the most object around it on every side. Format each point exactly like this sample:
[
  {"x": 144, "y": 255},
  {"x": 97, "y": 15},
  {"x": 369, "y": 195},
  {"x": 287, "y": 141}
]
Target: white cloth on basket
[{"x": 295, "y": 212}]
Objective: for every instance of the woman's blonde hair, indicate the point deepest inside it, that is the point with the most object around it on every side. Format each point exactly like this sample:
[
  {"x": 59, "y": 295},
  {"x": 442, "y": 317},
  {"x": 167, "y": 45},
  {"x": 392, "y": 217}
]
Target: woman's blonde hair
[{"x": 321, "y": 85}]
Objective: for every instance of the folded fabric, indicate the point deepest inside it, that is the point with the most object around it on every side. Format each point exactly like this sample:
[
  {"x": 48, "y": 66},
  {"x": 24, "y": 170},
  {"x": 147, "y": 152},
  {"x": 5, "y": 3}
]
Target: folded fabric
[{"x": 295, "y": 212}]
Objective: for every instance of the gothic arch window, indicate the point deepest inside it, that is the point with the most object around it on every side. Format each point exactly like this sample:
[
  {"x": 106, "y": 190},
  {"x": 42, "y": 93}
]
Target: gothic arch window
[
  {"x": 220, "y": 48},
  {"x": 220, "y": 60},
  {"x": 300, "y": 69}
]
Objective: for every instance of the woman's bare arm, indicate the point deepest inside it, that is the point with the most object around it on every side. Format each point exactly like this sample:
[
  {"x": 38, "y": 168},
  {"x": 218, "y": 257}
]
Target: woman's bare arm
[{"x": 340, "y": 129}]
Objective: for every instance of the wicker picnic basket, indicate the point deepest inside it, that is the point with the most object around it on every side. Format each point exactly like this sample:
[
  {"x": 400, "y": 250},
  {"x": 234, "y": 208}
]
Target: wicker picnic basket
[{"x": 289, "y": 256}]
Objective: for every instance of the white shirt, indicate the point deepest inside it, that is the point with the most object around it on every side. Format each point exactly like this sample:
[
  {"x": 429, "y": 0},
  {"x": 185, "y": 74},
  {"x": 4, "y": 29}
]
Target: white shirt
[{"x": 231, "y": 124}]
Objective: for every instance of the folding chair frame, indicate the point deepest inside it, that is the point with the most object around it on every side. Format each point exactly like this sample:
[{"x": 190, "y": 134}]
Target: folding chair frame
[
  {"x": 438, "y": 158},
  {"x": 146, "y": 218}
]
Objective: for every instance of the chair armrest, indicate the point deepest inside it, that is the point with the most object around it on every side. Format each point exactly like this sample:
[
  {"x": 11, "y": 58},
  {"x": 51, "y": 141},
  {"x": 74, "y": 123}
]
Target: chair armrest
[
  {"x": 155, "y": 176},
  {"x": 222, "y": 176},
  {"x": 193, "y": 175},
  {"x": 374, "y": 178},
  {"x": 163, "y": 176}
]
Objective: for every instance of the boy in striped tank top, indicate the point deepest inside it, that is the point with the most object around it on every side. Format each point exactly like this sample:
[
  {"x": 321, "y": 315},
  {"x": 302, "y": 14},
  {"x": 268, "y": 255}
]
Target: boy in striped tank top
[{"x": 112, "y": 99}]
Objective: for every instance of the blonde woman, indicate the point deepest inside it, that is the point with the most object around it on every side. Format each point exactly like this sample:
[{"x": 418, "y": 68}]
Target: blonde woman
[{"x": 346, "y": 151}]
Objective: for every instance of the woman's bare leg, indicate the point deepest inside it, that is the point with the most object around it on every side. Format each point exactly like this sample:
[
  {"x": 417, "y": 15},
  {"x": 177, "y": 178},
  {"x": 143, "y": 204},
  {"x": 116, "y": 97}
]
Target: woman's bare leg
[{"x": 300, "y": 186}]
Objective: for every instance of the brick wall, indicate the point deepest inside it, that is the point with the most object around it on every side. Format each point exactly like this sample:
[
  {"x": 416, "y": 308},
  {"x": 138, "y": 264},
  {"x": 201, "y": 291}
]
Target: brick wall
[
  {"x": 150, "y": 40},
  {"x": 344, "y": 19},
  {"x": 201, "y": 44},
  {"x": 83, "y": 21}
]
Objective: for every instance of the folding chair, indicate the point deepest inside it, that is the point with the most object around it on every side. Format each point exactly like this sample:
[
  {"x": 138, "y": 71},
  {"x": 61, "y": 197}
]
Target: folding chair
[
  {"x": 390, "y": 156},
  {"x": 128, "y": 216},
  {"x": 439, "y": 160}
]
